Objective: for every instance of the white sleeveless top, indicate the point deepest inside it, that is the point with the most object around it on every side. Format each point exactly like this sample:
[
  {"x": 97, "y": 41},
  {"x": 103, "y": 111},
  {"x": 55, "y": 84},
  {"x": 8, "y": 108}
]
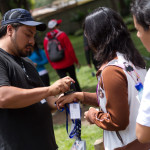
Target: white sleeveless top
[{"x": 111, "y": 140}]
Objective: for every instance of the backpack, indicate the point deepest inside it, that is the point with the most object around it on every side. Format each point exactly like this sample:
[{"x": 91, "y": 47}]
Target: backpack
[{"x": 55, "y": 51}]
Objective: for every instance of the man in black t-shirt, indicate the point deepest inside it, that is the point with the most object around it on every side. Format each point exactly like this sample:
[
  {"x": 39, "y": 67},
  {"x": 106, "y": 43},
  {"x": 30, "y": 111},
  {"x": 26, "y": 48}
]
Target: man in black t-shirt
[{"x": 25, "y": 105}]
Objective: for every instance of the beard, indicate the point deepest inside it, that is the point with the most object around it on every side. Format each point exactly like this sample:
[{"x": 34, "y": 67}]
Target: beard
[{"x": 20, "y": 52}]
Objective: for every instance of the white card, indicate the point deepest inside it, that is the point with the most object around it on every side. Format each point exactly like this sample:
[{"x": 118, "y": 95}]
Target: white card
[
  {"x": 43, "y": 101},
  {"x": 74, "y": 111}
]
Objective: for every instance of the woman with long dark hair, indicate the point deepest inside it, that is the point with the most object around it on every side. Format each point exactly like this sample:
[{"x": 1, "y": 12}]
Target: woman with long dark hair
[{"x": 120, "y": 77}]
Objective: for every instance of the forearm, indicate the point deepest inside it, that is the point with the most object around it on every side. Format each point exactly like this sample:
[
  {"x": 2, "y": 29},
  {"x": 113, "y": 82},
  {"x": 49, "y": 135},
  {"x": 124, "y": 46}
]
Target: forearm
[
  {"x": 143, "y": 133},
  {"x": 12, "y": 97},
  {"x": 116, "y": 116},
  {"x": 51, "y": 102},
  {"x": 90, "y": 99}
]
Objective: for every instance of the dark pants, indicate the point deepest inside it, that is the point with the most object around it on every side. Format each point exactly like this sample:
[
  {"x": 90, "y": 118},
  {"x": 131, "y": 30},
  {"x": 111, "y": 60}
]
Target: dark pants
[
  {"x": 71, "y": 71},
  {"x": 46, "y": 80}
]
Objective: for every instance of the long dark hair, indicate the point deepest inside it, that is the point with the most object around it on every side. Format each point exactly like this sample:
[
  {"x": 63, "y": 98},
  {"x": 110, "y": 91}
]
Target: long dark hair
[
  {"x": 107, "y": 34},
  {"x": 141, "y": 10}
]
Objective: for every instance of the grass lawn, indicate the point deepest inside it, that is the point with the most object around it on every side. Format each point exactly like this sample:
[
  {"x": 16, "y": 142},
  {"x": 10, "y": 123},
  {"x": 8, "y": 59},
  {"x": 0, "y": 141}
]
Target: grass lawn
[
  {"x": 89, "y": 133},
  {"x": 88, "y": 83}
]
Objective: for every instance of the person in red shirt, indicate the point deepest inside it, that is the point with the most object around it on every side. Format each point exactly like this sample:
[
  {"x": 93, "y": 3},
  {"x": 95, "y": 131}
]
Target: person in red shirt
[{"x": 66, "y": 65}]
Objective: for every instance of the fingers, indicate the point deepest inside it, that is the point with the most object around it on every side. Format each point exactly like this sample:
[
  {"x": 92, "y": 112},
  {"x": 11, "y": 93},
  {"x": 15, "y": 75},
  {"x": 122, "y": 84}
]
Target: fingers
[
  {"x": 91, "y": 109},
  {"x": 85, "y": 114},
  {"x": 90, "y": 115},
  {"x": 61, "y": 85},
  {"x": 60, "y": 103},
  {"x": 65, "y": 100},
  {"x": 68, "y": 80},
  {"x": 65, "y": 84}
]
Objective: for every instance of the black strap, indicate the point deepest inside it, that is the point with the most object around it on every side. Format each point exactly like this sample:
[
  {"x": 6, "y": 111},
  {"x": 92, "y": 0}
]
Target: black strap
[{"x": 119, "y": 137}]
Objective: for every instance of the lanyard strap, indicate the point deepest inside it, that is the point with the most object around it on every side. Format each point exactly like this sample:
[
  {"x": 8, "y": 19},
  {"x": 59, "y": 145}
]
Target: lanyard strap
[{"x": 76, "y": 123}]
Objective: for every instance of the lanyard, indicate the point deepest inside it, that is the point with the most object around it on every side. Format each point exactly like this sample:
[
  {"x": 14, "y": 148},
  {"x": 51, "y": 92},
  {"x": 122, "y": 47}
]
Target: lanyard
[{"x": 76, "y": 126}]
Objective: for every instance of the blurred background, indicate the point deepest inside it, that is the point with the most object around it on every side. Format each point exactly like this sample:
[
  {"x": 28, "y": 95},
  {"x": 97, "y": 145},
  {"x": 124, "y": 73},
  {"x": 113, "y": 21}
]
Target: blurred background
[{"x": 72, "y": 13}]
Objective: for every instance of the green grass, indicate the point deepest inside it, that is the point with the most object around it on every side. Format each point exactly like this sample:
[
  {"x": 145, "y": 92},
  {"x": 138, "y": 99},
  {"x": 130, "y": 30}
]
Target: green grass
[
  {"x": 88, "y": 83},
  {"x": 89, "y": 133}
]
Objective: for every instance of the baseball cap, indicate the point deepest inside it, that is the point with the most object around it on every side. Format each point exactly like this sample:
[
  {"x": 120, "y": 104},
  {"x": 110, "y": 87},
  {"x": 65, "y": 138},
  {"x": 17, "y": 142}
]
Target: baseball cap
[
  {"x": 52, "y": 23},
  {"x": 22, "y": 16}
]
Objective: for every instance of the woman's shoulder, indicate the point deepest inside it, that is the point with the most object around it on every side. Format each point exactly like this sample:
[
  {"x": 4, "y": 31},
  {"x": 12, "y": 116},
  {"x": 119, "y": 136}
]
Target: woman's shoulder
[{"x": 112, "y": 70}]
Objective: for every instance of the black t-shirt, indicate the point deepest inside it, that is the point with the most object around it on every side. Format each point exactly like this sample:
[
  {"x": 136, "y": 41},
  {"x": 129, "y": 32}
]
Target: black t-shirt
[{"x": 28, "y": 128}]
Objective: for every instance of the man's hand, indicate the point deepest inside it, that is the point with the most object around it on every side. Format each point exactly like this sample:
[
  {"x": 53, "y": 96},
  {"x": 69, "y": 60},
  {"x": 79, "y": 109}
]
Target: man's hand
[{"x": 61, "y": 86}]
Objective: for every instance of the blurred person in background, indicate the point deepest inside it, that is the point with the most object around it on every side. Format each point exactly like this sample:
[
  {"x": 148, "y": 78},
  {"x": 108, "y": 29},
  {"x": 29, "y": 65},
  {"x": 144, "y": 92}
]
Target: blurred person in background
[
  {"x": 66, "y": 65},
  {"x": 39, "y": 59}
]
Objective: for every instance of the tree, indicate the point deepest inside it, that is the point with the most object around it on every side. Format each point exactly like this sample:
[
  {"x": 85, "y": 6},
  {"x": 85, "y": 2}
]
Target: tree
[
  {"x": 40, "y": 3},
  {"x": 114, "y": 4},
  {"x": 124, "y": 7},
  {"x": 6, "y": 5}
]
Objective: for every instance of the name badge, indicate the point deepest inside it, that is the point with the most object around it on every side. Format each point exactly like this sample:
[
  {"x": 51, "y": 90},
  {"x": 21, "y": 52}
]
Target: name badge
[
  {"x": 74, "y": 111},
  {"x": 43, "y": 101}
]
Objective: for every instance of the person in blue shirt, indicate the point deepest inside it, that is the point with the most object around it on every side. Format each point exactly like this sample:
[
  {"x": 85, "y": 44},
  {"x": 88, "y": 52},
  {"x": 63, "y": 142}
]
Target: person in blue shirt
[{"x": 39, "y": 59}]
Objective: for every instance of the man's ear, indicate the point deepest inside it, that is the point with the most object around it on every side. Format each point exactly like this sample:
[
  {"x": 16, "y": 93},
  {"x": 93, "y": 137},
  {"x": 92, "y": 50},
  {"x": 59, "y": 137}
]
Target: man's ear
[{"x": 10, "y": 30}]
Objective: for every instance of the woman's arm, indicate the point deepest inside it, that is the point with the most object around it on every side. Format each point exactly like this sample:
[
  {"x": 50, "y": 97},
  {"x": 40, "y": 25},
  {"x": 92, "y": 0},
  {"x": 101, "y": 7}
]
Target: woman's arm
[
  {"x": 143, "y": 133},
  {"x": 83, "y": 97},
  {"x": 116, "y": 90}
]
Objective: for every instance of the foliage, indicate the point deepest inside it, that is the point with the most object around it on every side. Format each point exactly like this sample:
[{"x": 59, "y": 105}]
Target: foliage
[
  {"x": 78, "y": 17},
  {"x": 40, "y": 3},
  {"x": 129, "y": 22},
  {"x": 141, "y": 48},
  {"x": 124, "y": 7},
  {"x": 79, "y": 32},
  {"x": 10, "y": 4}
]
